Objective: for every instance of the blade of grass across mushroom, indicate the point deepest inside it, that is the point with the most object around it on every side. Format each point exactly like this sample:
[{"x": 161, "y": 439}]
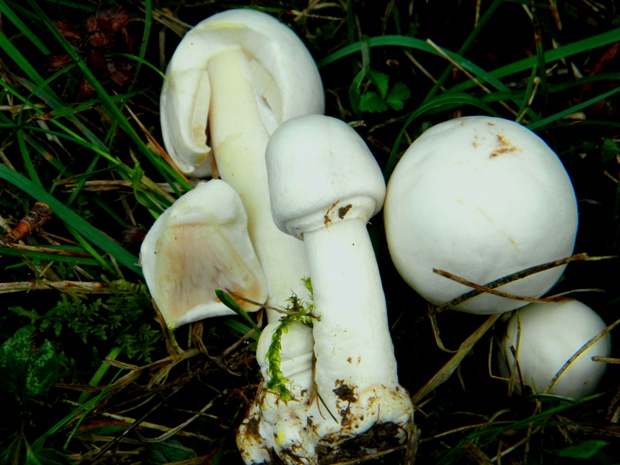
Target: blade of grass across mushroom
[
  {"x": 72, "y": 219},
  {"x": 513, "y": 277}
]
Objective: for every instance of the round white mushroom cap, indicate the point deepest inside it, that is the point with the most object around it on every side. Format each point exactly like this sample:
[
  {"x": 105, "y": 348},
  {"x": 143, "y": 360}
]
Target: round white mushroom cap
[
  {"x": 285, "y": 79},
  {"x": 321, "y": 171},
  {"x": 481, "y": 198},
  {"x": 545, "y": 337}
]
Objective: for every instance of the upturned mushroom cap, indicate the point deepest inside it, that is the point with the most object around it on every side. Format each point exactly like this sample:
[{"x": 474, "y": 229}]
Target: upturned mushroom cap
[
  {"x": 282, "y": 71},
  {"x": 320, "y": 171},
  {"x": 545, "y": 337},
  {"x": 200, "y": 244},
  {"x": 481, "y": 198}
]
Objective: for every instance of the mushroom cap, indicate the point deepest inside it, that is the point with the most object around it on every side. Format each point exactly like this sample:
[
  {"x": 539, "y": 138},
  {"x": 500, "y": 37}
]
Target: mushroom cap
[
  {"x": 320, "y": 171},
  {"x": 481, "y": 198},
  {"x": 284, "y": 75},
  {"x": 547, "y": 336},
  {"x": 196, "y": 246}
]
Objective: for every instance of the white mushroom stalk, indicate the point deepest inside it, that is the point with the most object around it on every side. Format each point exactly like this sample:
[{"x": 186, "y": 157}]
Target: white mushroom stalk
[
  {"x": 325, "y": 185},
  {"x": 481, "y": 198},
  {"x": 200, "y": 244},
  {"x": 542, "y": 338}
]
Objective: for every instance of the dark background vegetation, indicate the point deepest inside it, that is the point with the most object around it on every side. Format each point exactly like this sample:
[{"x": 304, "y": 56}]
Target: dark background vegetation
[{"x": 82, "y": 407}]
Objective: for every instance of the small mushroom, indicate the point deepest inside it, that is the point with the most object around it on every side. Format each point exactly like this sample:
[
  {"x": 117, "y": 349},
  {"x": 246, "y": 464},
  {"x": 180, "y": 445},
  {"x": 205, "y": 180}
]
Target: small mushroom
[
  {"x": 284, "y": 80},
  {"x": 325, "y": 185},
  {"x": 542, "y": 337},
  {"x": 481, "y": 198},
  {"x": 200, "y": 244}
]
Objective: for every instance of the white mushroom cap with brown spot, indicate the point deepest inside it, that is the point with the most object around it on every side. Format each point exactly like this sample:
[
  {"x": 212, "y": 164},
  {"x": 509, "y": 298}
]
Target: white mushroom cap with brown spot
[{"x": 481, "y": 198}]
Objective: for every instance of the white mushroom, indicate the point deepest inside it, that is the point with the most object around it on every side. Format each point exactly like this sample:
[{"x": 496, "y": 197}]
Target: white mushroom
[
  {"x": 325, "y": 185},
  {"x": 544, "y": 337},
  {"x": 200, "y": 244},
  {"x": 481, "y": 198},
  {"x": 282, "y": 75},
  {"x": 246, "y": 73}
]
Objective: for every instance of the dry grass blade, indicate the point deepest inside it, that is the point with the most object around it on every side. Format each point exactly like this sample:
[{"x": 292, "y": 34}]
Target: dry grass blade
[
  {"x": 65, "y": 286},
  {"x": 576, "y": 355},
  {"x": 111, "y": 444},
  {"x": 515, "y": 277},
  {"x": 468, "y": 74},
  {"x": 489, "y": 290},
  {"x": 156, "y": 145},
  {"x": 446, "y": 371},
  {"x": 613, "y": 361},
  {"x": 170, "y": 432}
]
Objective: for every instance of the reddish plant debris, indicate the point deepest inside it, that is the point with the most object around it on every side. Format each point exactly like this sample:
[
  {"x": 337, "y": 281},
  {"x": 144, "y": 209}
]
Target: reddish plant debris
[{"x": 102, "y": 35}]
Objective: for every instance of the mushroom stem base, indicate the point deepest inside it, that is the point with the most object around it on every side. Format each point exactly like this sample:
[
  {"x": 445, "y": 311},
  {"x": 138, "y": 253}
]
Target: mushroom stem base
[{"x": 302, "y": 431}]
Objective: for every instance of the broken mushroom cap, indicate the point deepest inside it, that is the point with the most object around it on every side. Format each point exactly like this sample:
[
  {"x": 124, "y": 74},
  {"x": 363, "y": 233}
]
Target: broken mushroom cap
[
  {"x": 481, "y": 198},
  {"x": 196, "y": 246},
  {"x": 544, "y": 336},
  {"x": 284, "y": 76}
]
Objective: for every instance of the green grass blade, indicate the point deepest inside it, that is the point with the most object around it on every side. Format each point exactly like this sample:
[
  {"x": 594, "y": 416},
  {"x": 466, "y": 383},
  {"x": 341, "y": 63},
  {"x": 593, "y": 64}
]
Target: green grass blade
[
  {"x": 236, "y": 325},
  {"x": 550, "y": 119},
  {"x": 551, "y": 56},
  {"x": 72, "y": 220},
  {"x": 100, "y": 373},
  {"x": 32, "y": 172},
  {"x": 19, "y": 24},
  {"x": 45, "y": 154},
  {"x": 92, "y": 252},
  {"x": 482, "y": 76},
  {"x": 235, "y": 307},
  {"x": 114, "y": 111}
]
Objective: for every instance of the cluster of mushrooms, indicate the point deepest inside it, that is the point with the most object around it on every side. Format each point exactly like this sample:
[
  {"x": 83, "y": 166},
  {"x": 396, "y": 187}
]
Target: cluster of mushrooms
[{"x": 291, "y": 194}]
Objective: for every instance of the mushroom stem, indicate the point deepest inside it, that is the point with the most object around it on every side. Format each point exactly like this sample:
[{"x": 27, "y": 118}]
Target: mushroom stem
[
  {"x": 238, "y": 140},
  {"x": 325, "y": 185},
  {"x": 350, "y": 310}
]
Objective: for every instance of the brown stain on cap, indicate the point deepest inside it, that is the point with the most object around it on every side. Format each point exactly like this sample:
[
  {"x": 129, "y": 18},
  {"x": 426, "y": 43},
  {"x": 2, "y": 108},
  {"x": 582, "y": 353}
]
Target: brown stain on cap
[{"x": 503, "y": 146}]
